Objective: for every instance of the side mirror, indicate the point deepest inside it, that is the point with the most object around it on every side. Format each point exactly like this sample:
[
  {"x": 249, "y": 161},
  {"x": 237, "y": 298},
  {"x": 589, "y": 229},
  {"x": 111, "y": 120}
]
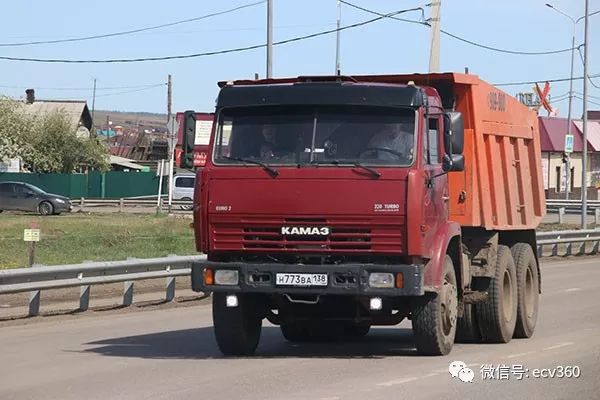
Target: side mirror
[
  {"x": 454, "y": 133},
  {"x": 189, "y": 138},
  {"x": 453, "y": 163}
]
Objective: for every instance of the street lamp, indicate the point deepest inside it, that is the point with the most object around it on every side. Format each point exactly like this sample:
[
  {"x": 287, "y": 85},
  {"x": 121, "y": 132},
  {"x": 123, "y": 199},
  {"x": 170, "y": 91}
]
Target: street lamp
[{"x": 568, "y": 164}]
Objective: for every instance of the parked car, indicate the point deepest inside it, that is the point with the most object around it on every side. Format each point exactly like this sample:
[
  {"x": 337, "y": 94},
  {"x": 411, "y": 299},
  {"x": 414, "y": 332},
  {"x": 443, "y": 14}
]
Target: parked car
[
  {"x": 183, "y": 188},
  {"x": 20, "y": 196}
]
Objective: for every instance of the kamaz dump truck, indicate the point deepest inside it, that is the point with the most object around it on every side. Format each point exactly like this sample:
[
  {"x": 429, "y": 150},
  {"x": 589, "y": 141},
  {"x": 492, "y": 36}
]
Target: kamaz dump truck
[{"x": 332, "y": 204}]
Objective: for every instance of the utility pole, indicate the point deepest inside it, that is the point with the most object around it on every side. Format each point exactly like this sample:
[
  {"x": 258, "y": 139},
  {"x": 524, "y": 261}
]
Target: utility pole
[
  {"x": 169, "y": 96},
  {"x": 172, "y": 142},
  {"x": 568, "y": 164},
  {"x": 585, "y": 119},
  {"x": 94, "y": 104},
  {"x": 338, "y": 68},
  {"x": 269, "y": 39},
  {"x": 434, "y": 49}
]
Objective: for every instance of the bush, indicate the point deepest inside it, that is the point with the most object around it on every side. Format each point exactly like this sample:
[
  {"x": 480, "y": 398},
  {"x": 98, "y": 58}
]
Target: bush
[{"x": 46, "y": 143}]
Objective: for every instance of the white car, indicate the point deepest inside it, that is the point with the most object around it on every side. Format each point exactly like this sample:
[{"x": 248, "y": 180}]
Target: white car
[{"x": 183, "y": 188}]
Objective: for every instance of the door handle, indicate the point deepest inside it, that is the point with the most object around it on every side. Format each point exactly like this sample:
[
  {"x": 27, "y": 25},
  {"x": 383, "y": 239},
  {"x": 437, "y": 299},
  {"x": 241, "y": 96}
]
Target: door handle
[{"x": 445, "y": 197}]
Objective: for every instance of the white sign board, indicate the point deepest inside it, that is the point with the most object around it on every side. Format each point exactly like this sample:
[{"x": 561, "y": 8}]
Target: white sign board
[
  {"x": 203, "y": 129},
  {"x": 11, "y": 165},
  {"x": 31, "y": 235},
  {"x": 569, "y": 143}
]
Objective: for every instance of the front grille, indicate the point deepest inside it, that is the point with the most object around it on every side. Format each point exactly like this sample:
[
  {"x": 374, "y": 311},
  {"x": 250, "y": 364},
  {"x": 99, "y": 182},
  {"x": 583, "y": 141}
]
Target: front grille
[{"x": 351, "y": 234}]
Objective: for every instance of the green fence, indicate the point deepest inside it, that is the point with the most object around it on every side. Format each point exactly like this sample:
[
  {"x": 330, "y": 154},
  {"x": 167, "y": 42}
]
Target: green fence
[{"x": 110, "y": 185}]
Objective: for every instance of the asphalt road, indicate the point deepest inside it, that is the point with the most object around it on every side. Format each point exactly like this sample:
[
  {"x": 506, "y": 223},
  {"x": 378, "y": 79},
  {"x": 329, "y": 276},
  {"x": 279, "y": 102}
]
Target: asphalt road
[{"x": 171, "y": 354}]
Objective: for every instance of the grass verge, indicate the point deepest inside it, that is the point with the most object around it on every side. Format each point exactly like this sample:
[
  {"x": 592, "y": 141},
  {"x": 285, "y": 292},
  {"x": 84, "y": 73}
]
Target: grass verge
[{"x": 74, "y": 238}]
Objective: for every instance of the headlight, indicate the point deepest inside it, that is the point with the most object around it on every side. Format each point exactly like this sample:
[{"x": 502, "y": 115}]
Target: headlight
[
  {"x": 61, "y": 201},
  {"x": 381, "y": 280},
  {"x": 226, "y": 277}
]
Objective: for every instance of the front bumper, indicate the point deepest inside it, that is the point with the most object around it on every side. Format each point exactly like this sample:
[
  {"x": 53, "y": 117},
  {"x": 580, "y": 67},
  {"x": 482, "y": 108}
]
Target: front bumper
[{"x": 343, "y": 279}]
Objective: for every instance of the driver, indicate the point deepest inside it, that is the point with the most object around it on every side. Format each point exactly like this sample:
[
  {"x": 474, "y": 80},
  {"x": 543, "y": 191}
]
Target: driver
[{"x": 397, "y": 138}]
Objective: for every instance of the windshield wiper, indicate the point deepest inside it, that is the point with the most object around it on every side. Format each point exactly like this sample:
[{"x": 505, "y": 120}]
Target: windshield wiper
[
  {"x": 357, "y": 164},
  {"x": 272, "y": 171}
]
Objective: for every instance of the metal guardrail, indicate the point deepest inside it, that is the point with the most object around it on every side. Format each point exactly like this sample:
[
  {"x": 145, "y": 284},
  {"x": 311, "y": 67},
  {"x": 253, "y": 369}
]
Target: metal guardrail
[
  {"x": 123, "y": 203},
  {"x": 84, "y": 275}
]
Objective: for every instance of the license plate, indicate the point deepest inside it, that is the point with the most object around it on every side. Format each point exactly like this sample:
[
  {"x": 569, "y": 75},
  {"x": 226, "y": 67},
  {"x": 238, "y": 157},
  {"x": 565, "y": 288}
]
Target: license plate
[{"x": 301, "y": 279}]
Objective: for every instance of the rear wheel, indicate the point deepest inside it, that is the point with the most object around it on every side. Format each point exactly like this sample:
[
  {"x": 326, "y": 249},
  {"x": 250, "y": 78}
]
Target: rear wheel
[
  {"x": 45, "y": 208},
  {"x": 237, "y": 329},
  {"x": 434, "y": 316},
  {"x": 528, "y": 289},
  {"x": 186, "y": 208},
  {"x": 497, "y": 316},
  {"x": 467, "y": 330}
]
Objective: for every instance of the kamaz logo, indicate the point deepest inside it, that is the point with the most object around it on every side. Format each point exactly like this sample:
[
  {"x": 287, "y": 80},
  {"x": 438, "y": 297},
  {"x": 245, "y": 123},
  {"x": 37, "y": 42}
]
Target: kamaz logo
[{"x": 305, "y": 230}]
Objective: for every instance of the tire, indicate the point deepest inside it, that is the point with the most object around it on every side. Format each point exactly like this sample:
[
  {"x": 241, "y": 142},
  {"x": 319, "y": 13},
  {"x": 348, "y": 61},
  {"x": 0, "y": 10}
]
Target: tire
[
  {"x": 434, "y": 316},
  {"x": 186, "y": 208},
  {"x": 357, "y": 331},
  {"x": 497, "y": 316},
  {"x": 528, "y": 289},
  {"x": 237, "y": 329},
  {"x": 295, "y": 332},
  {"x": 45, "y": 208},
  {"x": 467, "y": 329}
]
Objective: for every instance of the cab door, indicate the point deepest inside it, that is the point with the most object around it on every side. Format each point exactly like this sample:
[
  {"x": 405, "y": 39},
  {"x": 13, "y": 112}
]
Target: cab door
[{"x": 435, "y": 203}]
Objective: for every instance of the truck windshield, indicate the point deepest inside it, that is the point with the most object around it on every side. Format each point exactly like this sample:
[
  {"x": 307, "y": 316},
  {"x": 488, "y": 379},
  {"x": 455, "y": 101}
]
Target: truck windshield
[{"x": 324, "y": 135}]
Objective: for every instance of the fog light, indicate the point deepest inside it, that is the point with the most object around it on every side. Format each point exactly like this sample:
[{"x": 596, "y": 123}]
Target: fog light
[
  {"x": 375, "y": 303},
  {"x": 226, "y": 277},
  {"x": 231, "y": 300},
  {"x": 381, "y": 280}
]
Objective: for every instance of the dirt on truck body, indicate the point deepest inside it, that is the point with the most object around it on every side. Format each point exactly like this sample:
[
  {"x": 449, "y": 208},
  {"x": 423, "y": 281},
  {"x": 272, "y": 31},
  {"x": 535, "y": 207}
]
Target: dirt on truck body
[{"x": 328, "y": 205}]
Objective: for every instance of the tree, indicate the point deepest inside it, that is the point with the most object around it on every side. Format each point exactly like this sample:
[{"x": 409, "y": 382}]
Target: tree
[{"x": 47, "y": 143}]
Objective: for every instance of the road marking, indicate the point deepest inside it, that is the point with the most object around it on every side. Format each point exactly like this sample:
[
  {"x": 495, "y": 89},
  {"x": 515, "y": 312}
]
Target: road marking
[
  {"x": 430, "y": 375},
  {"x": 573, "y": 289},
  {"x": 558, "y": 346},
  {"x": 397, "y": 381},
  {"x": 520, "y": 354}
]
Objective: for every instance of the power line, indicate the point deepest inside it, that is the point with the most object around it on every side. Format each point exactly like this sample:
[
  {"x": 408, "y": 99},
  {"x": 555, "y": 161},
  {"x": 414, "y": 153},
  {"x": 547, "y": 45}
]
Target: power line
[
  {"x": 589, "y": 101},
  {"x": 454, "y": 36},
  {"x": 540, "y": 81},
  {"x": 204, "y": 54},
  {"x": 583, "y": 62},
  {"x": 132, "y": 91},
  {"x": 129, "y": 32},
  {"x": 82, "y": 88}
]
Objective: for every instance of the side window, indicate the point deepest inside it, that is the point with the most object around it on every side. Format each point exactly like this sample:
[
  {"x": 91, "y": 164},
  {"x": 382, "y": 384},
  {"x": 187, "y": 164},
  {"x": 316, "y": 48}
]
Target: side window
[
  {"x": 184, "y": 182},
  {"x": 433, "y": 137},
  {"x": 5, "y": 188}
]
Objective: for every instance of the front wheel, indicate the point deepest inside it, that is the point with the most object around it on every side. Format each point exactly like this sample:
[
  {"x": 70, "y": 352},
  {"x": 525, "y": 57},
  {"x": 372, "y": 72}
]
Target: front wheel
[
  {"x": 237, "y": 329},
  {"x": 434, "y": 316},
  {"x": 45, "y": 208}
]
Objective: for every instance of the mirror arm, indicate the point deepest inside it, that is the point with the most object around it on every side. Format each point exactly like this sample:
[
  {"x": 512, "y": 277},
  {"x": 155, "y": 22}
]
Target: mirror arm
[{"x": 429, "y": 181}]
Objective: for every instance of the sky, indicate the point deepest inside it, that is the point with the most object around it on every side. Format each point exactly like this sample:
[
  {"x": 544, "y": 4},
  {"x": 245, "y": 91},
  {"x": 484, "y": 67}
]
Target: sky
[{"x": 385, "y": 46}]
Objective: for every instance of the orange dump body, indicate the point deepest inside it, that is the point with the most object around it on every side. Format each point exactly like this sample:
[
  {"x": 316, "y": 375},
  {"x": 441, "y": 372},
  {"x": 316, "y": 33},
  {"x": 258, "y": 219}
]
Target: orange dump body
[{"x": 501, "y": 187}]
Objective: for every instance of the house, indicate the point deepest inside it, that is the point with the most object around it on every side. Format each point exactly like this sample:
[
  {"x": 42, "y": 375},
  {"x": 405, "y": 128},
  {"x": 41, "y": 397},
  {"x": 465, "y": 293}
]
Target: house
[
  {"x": 76, "y": 110},
  {"x": 553, "y": 132}
]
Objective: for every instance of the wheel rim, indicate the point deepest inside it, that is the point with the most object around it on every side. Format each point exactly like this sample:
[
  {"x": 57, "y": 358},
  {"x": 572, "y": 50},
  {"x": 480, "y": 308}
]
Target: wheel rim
[
  {"x": 449, "y": 302},
  {"x": 45, "y": 208},
  {"x": 529, "y": 293},
  {"x": 507, "y": 296}
]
